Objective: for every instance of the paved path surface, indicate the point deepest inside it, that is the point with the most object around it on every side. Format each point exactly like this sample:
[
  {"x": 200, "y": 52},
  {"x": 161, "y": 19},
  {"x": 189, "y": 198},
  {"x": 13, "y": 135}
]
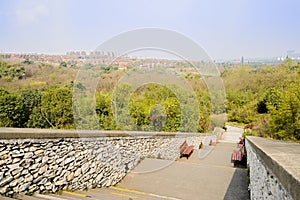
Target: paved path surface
[
  {"x": 207, "y": 174},
  {"x": 232, "y": 134},
  {"x": 210, "y": 178}
]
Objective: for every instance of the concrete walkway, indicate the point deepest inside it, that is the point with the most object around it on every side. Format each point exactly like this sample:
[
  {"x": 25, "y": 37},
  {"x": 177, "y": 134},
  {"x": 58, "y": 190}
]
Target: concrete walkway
[
  {"x": 210, "y": 178},
  {"x": 232, "y": 134},
  {"x": 207, "y": 174}
]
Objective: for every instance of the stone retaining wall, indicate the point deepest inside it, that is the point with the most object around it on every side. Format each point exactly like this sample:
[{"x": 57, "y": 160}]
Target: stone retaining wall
[
  {"x": 39, "y": 165},
  {"x": 269, "y": 177}
]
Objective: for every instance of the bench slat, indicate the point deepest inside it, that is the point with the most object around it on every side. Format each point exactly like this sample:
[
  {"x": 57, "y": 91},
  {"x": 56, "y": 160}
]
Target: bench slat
[
  {"x": 188, "y": 150},
  {"x": 183, "y": 146},
  {"x": 185, "y": 150},
  {"x": 237, "y": 155}
]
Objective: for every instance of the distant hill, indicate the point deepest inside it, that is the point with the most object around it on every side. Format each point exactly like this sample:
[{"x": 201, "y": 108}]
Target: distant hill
[{"x": 39, "y": 75}]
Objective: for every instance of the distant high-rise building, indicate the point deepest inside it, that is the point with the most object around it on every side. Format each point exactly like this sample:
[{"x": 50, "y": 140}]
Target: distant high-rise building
[{"x": 293, "y": 55}]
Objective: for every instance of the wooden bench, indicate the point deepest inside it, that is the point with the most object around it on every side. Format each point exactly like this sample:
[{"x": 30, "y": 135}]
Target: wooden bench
[
  {"x": 185, "y": 150},
  {"x": 238, "y": 157}
]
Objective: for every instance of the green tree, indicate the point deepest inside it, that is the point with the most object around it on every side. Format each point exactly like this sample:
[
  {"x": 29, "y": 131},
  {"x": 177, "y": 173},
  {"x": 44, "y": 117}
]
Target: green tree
[
  {"x": 120, "y": 102},
  {"x": 172, "y": 109},
  {"x": 158, "y": 117},
  {"x": 63, "y": 64},
  {"x": 55, "y": 110},
  {"x": 11, "y": 110},
  {"x": 285, "y": 119},
  {"x": 37, "y": 119},
  {"x": 272, "y": 97},
  {"x": 29, "y": 99},
  {"x": 27, "y": 61},
  {"x": 139, "y": 113},
  {"x": 16, "y": 108},
  {"x": 9, "y": 72},
  {"x": 104, "y": 111}
]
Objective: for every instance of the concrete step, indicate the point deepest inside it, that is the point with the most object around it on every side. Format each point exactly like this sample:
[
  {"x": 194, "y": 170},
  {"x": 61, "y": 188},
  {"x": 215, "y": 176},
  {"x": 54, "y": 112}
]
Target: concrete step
[
  {"x": 22, "y": 197},
  {"x": 62, "y": 196},
  {"x": 121, "y": 194},
  {"x": 5, "y": 198},
  {"x": 48, "y": 197},
  {"x": 25, "y": 197},
  {"x": 78, "y": 195},
  {"x": 96, "y": 194}
]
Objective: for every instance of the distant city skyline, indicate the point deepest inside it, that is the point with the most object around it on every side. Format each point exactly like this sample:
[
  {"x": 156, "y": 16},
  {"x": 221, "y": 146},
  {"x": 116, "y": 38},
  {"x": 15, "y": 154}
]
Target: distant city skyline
[{"x": 225, "y": 29}]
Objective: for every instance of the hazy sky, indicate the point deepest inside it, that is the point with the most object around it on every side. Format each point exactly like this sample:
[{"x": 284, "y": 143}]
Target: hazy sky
[{"x": 224, "y": 28}]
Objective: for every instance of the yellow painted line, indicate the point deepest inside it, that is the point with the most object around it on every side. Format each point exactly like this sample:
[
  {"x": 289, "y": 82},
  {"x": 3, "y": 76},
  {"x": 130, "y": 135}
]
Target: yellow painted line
[
  {"x": 124, "y": 195},
  {"x": 128, "y": 190},
  {"x": 75, "y": 194}
]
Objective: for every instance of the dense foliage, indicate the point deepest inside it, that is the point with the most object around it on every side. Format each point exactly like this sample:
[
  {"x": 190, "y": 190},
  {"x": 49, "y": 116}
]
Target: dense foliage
[
  {"x": 153, "y": 107},
  {"x": 266, "y": 97},
  {"x": 9, "y": 72},
  {"x": 32, "y": 108}
]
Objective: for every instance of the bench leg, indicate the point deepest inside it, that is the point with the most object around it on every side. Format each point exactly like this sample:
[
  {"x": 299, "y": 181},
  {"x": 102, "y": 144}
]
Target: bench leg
[{"x": 235, "y": 163}]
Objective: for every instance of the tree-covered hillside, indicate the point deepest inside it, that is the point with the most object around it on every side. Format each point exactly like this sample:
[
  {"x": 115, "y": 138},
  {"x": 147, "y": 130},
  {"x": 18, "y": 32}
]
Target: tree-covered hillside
[{"x": 266, "y": 98}]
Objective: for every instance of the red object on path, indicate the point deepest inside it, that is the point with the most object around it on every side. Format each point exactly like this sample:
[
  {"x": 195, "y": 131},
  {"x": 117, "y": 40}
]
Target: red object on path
[{"x": 211, "y": 143}]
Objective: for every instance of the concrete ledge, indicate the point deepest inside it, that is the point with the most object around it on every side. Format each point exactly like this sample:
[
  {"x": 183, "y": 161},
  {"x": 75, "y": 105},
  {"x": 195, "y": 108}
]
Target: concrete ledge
[
  {"x": 24, "y": 133},
  {"x": 282, "y": 158}
]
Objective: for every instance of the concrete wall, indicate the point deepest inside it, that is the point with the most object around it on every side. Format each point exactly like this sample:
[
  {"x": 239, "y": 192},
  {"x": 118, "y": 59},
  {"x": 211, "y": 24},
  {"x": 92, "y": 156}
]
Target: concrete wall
[
  {"x": 52, "y": 160},
  {"x": 274, "y": 168}
]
